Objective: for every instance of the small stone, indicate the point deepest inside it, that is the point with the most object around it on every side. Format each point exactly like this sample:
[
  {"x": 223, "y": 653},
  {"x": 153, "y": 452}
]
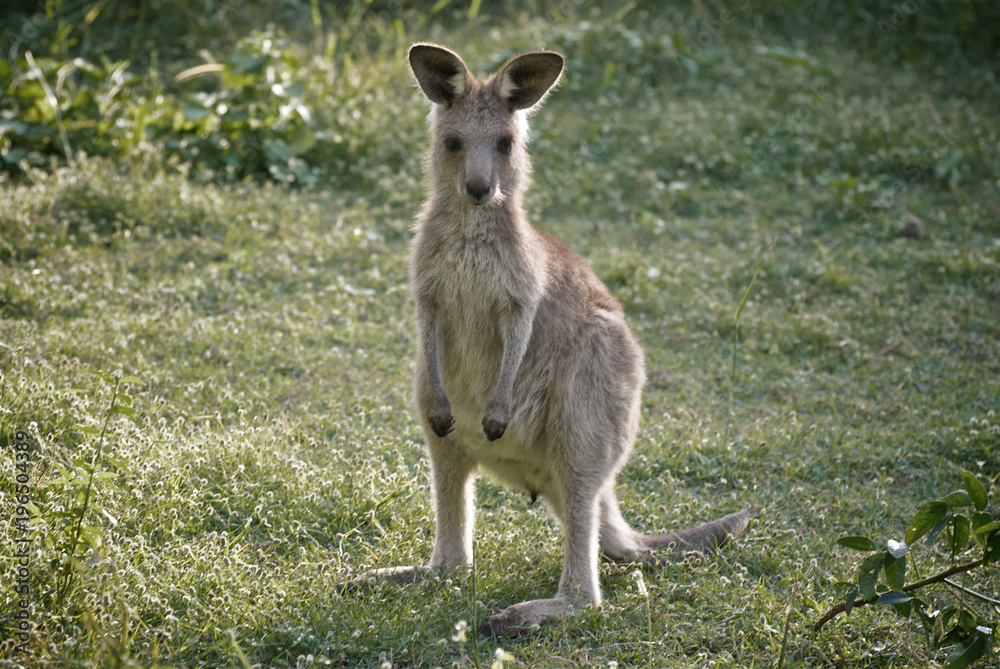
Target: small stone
[{"x": 913, "y": 227}]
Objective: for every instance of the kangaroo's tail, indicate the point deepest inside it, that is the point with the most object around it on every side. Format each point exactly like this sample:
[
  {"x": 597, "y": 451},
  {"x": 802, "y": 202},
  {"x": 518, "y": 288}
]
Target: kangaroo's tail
[{"x": 703, "y": 538}]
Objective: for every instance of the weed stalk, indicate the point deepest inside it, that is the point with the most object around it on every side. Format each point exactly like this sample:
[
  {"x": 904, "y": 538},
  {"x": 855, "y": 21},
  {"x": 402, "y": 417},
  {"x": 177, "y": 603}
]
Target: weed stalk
[{"x": 67, "y": 579}]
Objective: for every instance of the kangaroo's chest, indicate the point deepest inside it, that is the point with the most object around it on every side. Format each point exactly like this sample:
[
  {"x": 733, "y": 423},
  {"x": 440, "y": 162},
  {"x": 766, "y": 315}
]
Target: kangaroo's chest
[{"x": 470, "y": 294}]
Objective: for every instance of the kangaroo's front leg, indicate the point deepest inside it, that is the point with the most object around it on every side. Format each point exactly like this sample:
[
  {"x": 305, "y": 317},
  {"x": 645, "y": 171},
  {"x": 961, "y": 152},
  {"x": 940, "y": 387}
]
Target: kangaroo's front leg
[
  {"x": 439, "y": 413},
  {"x": 516, "y": 325}
]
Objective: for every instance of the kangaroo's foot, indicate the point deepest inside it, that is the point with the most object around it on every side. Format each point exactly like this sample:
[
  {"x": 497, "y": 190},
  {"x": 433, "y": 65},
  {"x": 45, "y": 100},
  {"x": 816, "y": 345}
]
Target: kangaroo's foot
[
  {"x": 524, "y": 618},
  {"x": 397, "y": 575}
]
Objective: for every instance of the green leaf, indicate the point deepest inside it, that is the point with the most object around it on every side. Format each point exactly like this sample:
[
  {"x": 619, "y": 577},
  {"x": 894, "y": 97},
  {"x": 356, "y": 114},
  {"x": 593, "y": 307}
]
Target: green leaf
[
  {"x": 986, "y": 529},
  {"x": 857, "y": 543},
  {"x": 938, "y": 529},
  {"x": 904, "y": 608},
  {"x": 967, "y": 620},
  {"x": 954, "y": 636},
  {"x": 849, "y": 601},
  {"x": 277, "y": 152},
  {"x": 194, "y": 112},
  {"x": 893, "y": 597},
  {"x": 958, "y": 536},
  {"x": 92, "y": 536},
  {"x": 929, "y": 515},
  {"x": 103, "y": 375},
  {"x": 958, "y": 498},
  {"x": 895, "y": 572},
  {"x": 301, "y": 142},
  {"x": 967, "y": 653},
  {"x": 976, "y": 490},
  {"x": 991, "y": 551},
  {"x": 86, "y": 429},
  {"x": 115, "y": 462},
  {"x": 125, "y": 411},
  {"x": 980, "y": 520},
  {"x": 868, "y": 574}
]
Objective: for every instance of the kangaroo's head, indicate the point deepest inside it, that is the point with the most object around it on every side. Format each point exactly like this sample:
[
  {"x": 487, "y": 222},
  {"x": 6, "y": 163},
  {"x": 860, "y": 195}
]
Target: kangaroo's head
[{"x": 479, "y": 130}]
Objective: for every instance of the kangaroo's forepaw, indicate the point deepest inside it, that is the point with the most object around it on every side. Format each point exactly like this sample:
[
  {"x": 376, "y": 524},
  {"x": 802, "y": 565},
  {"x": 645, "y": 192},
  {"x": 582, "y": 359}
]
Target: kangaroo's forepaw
[
  {"x": 494, "y": 426},
  {"x": 442, "y": 423}
]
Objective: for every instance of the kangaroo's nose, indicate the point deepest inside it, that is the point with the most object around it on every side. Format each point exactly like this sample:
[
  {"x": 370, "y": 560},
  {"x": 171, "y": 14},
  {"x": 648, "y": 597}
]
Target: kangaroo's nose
[{"x": 478, "y": 190}]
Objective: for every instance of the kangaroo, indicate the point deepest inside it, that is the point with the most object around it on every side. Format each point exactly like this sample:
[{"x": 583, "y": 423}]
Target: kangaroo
[{"x": 525, "y": 366}]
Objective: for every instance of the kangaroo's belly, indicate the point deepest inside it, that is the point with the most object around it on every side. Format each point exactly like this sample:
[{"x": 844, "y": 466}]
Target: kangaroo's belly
[{"x": 521, "y": 457}]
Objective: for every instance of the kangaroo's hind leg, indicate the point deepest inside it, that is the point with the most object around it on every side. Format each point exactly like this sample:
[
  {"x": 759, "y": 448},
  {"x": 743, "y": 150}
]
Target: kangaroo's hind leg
[
  {"x": 591, "y": 425},
  {"x": 454, "y": 500},
  {"x": 578, "y": 585}
]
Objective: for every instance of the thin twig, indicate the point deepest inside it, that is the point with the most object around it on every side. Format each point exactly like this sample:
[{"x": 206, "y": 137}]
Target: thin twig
[{"x": 969, "y": 591}]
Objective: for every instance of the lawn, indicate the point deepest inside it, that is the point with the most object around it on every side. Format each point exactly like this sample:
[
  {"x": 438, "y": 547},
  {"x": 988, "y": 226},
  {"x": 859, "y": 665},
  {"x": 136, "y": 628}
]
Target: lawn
[{"x": 206, "y": 331}]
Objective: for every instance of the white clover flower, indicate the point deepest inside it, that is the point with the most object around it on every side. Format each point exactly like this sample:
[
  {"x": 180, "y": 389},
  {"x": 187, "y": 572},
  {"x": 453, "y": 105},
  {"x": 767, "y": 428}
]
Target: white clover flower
[
  {"x": 459, "y": 634},
  {"x": 640, "y": 583},
  {"x": 499, "y": 657}
]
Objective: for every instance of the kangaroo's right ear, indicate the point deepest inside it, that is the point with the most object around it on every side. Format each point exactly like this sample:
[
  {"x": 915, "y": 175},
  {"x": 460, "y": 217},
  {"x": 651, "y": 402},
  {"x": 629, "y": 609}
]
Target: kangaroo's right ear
[
  {"x": 526, "y": 79},
  {"x": 440, "y": 72}
]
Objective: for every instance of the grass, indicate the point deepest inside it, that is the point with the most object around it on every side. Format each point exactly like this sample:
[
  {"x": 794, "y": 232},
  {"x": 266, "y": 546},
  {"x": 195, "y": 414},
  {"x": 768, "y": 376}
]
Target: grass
[{"x": 274, "y": 452}]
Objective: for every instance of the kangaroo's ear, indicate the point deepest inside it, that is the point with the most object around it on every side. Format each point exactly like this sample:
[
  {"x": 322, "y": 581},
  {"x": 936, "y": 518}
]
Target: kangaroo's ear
[
  {"x": 440, "y": 72},
  {"x": 524, "y": 80}
]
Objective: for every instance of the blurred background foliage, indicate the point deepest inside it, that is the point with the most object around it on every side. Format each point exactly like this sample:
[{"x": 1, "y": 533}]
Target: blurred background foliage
[{"x": 225, "y": 91}]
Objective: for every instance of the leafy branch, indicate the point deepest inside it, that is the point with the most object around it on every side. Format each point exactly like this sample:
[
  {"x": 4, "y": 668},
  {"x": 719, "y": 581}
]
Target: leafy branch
[
  {"x": 881, "y": 578},
  {"x": 908, "y": 588}
]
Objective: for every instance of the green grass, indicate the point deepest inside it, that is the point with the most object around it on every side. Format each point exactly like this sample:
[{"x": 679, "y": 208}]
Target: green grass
[{"x": 275, "y": 453}]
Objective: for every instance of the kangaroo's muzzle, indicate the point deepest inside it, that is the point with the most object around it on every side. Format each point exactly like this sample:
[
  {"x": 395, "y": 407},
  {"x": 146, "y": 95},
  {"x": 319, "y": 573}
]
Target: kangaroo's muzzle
[{"x": 478, "y": 191}]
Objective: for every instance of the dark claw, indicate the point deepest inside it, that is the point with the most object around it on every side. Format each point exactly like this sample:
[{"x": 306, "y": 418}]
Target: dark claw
[{"x": 442, "y": 426}]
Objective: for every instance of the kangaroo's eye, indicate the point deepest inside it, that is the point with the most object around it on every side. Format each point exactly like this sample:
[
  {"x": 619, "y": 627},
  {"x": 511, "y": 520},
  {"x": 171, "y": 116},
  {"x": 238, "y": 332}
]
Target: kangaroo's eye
[
  {"x": 503, "y": 146},
  {"x": 452, "y": 144}
]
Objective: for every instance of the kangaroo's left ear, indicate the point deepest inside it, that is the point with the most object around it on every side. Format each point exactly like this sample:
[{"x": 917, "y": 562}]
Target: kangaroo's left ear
[
  {"x": 440, "y": 72},
  {"x": 525, "y": 79}
]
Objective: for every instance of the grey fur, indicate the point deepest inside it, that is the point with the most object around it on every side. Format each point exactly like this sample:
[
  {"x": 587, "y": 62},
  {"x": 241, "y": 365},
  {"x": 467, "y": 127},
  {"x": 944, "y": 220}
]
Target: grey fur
[{"x": 525, "y": 365}]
